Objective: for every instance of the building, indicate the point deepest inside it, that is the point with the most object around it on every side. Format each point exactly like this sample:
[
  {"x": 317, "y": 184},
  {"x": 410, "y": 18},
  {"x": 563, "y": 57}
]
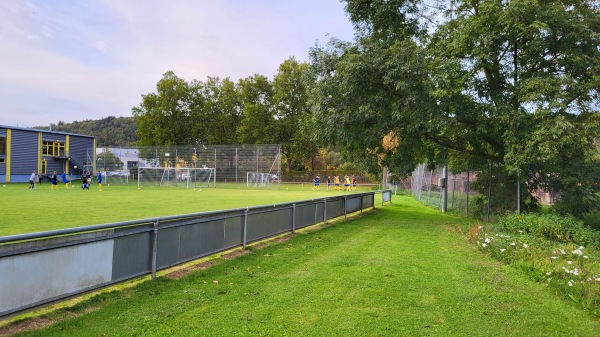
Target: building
[{"x": 24, "y": 150}]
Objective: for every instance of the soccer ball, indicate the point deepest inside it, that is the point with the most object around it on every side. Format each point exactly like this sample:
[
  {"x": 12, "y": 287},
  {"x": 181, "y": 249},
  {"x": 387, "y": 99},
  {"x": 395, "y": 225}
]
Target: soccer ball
[{"x": 139, "y": 188}]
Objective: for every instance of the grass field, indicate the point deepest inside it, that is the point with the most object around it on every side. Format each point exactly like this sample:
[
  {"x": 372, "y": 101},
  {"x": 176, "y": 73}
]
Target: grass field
[
  {"x": 25, "y": 211},
  {"x": 400, "y": 270}
]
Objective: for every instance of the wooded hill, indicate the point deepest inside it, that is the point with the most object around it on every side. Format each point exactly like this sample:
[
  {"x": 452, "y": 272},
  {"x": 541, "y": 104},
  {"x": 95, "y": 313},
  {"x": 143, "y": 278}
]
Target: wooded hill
[{"x": 109, "y": 132}]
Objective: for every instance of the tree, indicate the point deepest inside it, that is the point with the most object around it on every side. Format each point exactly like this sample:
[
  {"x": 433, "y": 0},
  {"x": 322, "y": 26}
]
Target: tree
[
  {"x": 258, "y": 123},
  {"x": 107, "y": 161},
  {"x": 163, "y": 117},
  {"x": 290, "y": 102},
  {"x": 513, "y": 84}
]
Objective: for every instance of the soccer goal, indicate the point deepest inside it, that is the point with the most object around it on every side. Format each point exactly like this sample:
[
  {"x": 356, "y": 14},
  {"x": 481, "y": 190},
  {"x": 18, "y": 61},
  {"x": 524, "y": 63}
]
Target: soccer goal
[
  {"x": 177, "y": 177},
  {"x": 114, "y": 177},
  {"x": 257, "y": 179}
]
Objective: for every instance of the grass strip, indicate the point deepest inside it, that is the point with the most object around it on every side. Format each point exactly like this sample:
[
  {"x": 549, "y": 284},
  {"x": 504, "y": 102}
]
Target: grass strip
[{"x": 401, "y": 270}]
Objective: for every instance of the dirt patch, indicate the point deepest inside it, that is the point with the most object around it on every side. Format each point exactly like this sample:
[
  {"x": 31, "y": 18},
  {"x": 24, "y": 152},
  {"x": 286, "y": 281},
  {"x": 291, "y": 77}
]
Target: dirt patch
[
  {"x": 235, "y": 253},
  {"x": 40, "y": 322},
  {"x": 26, "y": 325},
  {"x": 274, "y": 241},
  {"x": 179, "y": 273}
]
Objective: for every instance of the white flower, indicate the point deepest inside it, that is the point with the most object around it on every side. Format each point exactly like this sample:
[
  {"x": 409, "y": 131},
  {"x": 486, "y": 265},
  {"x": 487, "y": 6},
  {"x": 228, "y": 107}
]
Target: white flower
[
  {"x": 581, "y": 247},
  {"x": 525, "y": 245},
  {"x": 570, "y": 283},
  {"x": 562, "y": 251},
  {"x": 585, "y": 256},
  {"x": 513, "y": 244},
  {"x": 548, "y": 273},
  {"x": 520, "y": 232},
  {"x": 569, "y": 262},
  {"x": 502, "y": 250},
  {"x": 488, "y": 240},
  {"x": 576, "y": 272},
  {"x": 554, "y": 257},
  {"x": 577, "y": 252},
  {"x": 483, "y": 245}
]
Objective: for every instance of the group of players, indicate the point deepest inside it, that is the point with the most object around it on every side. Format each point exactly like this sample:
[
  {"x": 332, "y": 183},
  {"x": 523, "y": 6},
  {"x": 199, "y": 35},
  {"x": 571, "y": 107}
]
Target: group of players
[
  {"x": 349, "y": 183},
  {"x": 86, "y": 180}
]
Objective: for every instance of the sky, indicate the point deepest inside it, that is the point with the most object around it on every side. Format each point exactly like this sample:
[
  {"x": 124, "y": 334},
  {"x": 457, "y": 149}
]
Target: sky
[{"x": 64, "y": 60}]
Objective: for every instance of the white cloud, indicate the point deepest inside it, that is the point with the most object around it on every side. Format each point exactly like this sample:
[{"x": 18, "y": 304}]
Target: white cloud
[{"x": 88, "y": 60}]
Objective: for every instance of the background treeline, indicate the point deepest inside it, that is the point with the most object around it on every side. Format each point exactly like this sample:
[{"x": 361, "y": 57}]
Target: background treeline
[{"x": 110, "y": 131}]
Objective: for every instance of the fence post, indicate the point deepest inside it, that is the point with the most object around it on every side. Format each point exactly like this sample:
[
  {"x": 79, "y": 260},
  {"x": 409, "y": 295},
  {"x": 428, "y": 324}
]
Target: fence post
[
  {"x": 345, "y": 209},
  {"x": 361, "y": 203},
  {"x": 245, "y": 228},
  {"x": 154, "y": 247},
  {"x": 294, "y": 218},
  {"x": 325, "y": 211}
]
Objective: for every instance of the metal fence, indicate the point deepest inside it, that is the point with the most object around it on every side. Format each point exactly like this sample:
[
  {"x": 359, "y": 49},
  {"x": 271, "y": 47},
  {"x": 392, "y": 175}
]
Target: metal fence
[
  {"x": 233, "y": 163},
  {"x": 40, "y": 268}
]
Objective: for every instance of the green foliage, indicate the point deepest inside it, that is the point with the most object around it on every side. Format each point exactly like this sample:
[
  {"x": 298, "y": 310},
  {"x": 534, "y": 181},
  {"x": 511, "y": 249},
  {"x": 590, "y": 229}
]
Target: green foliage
[
  {"x": 556, "y": 251},
  {"x": 110, "y": 131},
  {"x": 107, "y": 161},
  {"x": 557, "y": 228},
  {"x": 512, "y": 83}
]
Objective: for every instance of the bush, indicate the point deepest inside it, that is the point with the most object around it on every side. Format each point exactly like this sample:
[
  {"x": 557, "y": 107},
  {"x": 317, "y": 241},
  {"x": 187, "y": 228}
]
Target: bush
[
  {"x": 552, "y": 227},
  {"x": 557, "y": 251}
]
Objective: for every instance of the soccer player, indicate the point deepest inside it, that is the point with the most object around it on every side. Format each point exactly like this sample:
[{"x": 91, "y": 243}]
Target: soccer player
[
  {"x": 32, "y": 180},
  {"x": 65, "y": 180},
  {"x": 54, "y": 181},
  {"x": 328, "y": 182},
  {"x": 347, "y": 183},
  {"x": 99, "y": 181},
  {"x": 317, "y": 182},
  {"x": 336, "y": 182}
]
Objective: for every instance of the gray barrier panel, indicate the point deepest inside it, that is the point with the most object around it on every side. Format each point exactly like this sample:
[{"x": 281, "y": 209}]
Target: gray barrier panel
[
  {"x": 39, "y": 268},
  {"x": 132, "y": 256},
  {"x": 265, "y": 222}
]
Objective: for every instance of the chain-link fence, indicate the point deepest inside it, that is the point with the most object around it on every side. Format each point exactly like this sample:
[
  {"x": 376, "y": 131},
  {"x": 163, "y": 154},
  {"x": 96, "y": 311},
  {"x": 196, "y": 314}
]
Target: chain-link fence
[
  {"x": 233, "y": 164},
  {"x": 482, "y": 194}
]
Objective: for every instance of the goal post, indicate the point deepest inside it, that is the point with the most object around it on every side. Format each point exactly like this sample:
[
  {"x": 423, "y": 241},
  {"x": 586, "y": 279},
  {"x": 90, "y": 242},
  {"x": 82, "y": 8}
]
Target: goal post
[
  {"x": 259, "y": 179},
  {"x": 198, "y": 177}
]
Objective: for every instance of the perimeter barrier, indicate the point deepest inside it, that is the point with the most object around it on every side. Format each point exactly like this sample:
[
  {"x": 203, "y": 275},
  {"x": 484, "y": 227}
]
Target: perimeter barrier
[{"x": 42, "y": 268}]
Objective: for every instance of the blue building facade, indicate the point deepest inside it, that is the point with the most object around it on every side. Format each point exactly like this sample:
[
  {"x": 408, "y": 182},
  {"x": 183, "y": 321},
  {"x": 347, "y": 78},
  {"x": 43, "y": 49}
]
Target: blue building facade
[{"x": 23, "y": 151}]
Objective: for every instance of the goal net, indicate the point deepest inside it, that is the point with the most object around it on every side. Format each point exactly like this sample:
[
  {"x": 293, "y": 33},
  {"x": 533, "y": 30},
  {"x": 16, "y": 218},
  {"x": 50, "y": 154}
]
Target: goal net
[
  {"x": 177, "y": 177},
  {"x": 258, "y": 179}
]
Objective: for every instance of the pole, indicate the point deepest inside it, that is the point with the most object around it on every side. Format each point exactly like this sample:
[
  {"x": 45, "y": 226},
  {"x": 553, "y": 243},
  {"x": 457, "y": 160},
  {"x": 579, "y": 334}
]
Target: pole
[
  {"x": 445, "y": 189},
  {"x": 487, "y": 215},
  {"x": 518, "y": 195}
]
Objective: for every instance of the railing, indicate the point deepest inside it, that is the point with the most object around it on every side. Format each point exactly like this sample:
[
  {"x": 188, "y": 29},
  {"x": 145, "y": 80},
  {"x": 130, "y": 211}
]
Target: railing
[{"x": 41, "y": 268}]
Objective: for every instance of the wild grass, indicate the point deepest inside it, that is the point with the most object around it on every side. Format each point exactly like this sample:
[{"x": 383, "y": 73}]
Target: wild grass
[
  {"x": 400, "y": 270},
  {"x": 558, "y": 252}
]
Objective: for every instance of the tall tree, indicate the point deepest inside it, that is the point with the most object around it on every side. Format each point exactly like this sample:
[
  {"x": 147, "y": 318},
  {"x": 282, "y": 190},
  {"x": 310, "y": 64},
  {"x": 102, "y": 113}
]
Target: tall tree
[
  {"x": 258, "y": 123},
  {"x": 513, "y": 83},
  {"x": 290, "y": 99},
  {"x": 163, "y": 117}
]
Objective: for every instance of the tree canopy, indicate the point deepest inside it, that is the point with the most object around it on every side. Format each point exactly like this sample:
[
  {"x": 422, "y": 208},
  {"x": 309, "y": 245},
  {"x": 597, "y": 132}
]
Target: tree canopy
[
  {"x": 507, "y": 83},
  {"x": 219, "y": 111}
]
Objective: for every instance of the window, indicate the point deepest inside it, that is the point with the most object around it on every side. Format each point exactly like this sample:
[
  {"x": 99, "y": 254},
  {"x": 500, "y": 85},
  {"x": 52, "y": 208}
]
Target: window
[
  {"x": 2, "y": 145},
  {"x": 53, "y": 148},
  {"x": 132, "y": 164}
]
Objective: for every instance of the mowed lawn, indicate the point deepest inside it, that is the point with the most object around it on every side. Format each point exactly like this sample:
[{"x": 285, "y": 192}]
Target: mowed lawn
[
  {"x": 400, "y": 270},
  {"x": 26, "y": 211}
]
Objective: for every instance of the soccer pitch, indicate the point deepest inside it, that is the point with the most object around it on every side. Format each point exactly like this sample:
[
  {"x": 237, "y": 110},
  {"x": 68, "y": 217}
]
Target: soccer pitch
[{"x": 27, "y": 211}]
